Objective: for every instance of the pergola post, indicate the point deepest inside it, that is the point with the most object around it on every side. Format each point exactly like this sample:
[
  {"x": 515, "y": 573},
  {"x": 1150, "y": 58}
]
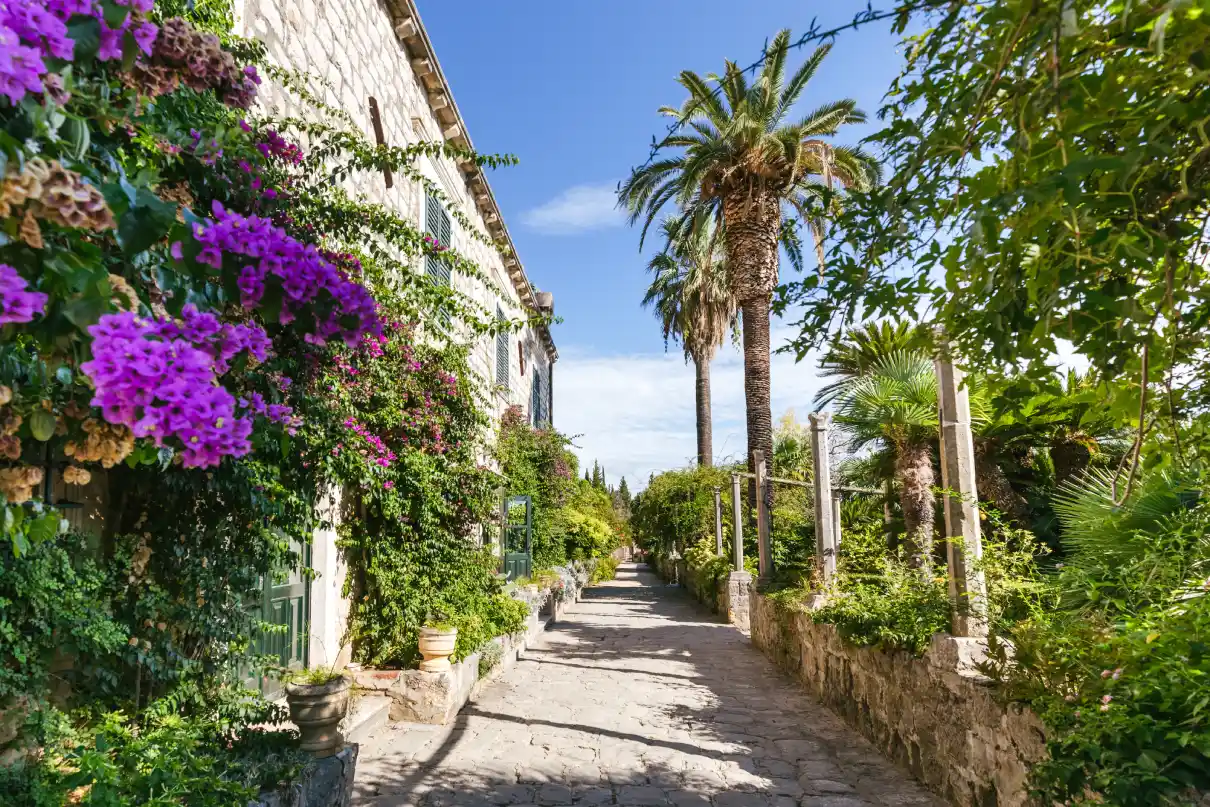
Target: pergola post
[
  {"x": 764, "y": 549},
  {"x": 737, "y": 541},
  {"x": 718, "y": 522},
  {"x": 964, "y": 540},
  {"x": 826, "y": 512},
  {"x": 836, "y": 501}
]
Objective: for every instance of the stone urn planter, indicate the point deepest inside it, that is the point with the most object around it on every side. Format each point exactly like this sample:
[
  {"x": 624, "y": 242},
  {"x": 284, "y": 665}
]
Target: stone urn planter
[
  {"x": 317, "y": 710},
  {"x": 437, "y": 645}
]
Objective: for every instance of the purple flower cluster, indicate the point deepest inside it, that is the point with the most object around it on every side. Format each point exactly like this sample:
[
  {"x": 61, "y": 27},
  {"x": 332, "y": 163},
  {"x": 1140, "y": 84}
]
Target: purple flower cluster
[
  {"x": 223, "y": 341},
  {"x": 306, "y": 279},
  {"x": 385, "y": 456},
  {"x": 274, "y": 145},
  {"x": 32, "y": 31},
  {"x": 17, "y": 302},
  {"x": 152, "y": 379},
  {"x": 144, "y": 33},
  {"x": 278, "y": 413},
  {"x": 160, "y": 379}
]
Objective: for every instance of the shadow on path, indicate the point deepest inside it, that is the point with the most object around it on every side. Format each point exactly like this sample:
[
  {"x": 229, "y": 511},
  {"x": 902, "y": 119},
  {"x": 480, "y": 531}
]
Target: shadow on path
[{"x": 638, "y": 698}]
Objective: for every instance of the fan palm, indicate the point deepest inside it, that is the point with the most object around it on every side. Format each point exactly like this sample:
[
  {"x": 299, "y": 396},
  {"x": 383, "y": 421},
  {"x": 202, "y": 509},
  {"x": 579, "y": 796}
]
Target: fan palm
[
  {"x": 690, "y": 295},
  {"x": 894, "y": 403},
  {"x": 747, "y": 164},
  {"x": 1122, "y": 556}
]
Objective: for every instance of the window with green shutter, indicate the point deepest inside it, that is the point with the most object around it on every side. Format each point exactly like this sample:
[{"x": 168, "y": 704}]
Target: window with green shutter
[
  {"x": 537, "y": 410},
  {"x": 501, "y": 350},
  {"x": 437, "y": 224}
]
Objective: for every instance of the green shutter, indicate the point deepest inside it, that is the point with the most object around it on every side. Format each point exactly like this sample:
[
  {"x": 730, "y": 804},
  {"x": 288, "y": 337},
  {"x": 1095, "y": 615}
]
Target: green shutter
[
  {"x": 501, "y": 351},
  {"x": 437, "y": 224}
]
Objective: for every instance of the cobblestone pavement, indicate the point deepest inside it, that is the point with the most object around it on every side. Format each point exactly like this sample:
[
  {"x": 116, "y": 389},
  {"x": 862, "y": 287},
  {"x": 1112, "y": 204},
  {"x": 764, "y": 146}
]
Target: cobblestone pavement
[{"x": 638, "y": 698}]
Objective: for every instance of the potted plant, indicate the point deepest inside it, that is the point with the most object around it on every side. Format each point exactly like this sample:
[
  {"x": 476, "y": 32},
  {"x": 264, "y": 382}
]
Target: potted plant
[
  {"x": 318, "y": 701},
  {"x": 438, "y": 638}
]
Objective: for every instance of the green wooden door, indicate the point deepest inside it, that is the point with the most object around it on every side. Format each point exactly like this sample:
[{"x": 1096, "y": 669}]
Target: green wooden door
[
  {"x": 286, "y": 608},
  {"x": 518, "y": 537}
]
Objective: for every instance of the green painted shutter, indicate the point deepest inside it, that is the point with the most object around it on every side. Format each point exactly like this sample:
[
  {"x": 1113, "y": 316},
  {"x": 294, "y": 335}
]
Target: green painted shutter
[
  {"x": 437, "y": 224},
  {"x": 537, "y": 404},
  {"x": 501, "y": 351}
]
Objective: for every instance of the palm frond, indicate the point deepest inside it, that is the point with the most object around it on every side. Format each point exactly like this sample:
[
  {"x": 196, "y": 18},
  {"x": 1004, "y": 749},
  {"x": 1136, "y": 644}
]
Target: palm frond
[{"x": 798, "y": 82}]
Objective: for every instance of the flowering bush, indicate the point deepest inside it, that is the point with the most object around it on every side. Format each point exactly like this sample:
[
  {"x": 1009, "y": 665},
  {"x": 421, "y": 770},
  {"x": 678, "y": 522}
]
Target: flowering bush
[{"x": 191, "y": 306}]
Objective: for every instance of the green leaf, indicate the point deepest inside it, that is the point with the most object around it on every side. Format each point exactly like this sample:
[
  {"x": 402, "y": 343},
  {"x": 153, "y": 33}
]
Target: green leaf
[
  {"x": 75, "y": 132},
  {"x": 86, "y": 33},
  {"x": 85, "y": 311},
  {"x": 44, "y": 527},
  {"x": 146, "y": 223},
  {"x": 115, "y": 15},
  {"x": 42, "y": 425}
]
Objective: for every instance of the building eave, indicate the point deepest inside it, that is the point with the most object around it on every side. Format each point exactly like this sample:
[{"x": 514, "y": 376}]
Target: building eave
[{"x": 405, "y": 19}]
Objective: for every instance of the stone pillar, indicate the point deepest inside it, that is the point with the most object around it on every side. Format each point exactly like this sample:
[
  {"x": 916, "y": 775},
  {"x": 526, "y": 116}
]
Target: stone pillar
[
  {"x": 764, "y": 548},
  {"x": 825, "y": 535},
  {"x": 738, "y": 604},
  {"x": 718, "y": 522},
  {"x": 964, "y": 541},
  {"x": 740, "y": 580},
  {"x": 737, "y": 547}
]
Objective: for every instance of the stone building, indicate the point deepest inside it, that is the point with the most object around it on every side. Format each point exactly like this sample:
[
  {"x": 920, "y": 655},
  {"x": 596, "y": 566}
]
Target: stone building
[{"x": 373, "y": 60}]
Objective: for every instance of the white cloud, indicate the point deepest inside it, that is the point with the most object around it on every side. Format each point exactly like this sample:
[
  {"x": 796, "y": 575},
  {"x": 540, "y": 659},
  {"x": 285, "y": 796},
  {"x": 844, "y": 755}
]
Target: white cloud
[
  {"x": 577, "y": 210},
  {"x": 635, "y": 413}
]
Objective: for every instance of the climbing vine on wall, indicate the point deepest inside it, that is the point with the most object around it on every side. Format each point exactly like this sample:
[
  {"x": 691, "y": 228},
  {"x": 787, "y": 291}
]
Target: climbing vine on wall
[{"x": 205, "y": 338}]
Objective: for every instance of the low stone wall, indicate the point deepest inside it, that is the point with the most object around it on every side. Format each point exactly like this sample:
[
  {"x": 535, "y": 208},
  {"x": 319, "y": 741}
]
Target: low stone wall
[
  {"x": 727, "y": 596},
  {"x": 435, "y": 698},
  {"x": 932, "y": 715}
]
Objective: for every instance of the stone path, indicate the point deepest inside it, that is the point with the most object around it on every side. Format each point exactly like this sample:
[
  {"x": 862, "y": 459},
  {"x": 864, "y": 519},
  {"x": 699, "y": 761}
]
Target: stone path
[{"x": 641, "y": 699}]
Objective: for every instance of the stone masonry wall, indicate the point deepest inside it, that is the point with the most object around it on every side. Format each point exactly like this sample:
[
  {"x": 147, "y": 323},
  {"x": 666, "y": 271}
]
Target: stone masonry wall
[
  {"x": 945, "y": 727},
  {"x": 703, "y": 588},
  {"x": 350, "y": 52}
]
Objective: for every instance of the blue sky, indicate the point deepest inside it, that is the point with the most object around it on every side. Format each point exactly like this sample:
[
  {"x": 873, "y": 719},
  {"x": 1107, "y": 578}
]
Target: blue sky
[{"x": 572, "y": 89}]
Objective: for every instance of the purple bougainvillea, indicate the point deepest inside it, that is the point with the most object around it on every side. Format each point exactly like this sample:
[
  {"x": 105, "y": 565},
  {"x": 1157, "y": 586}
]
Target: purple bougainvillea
[
  {"x": 160, "y": 378},
  {"x": 32, "y": 31},
  {"x": 341, "y": 307},
  {"x": 17, "y": 302}
]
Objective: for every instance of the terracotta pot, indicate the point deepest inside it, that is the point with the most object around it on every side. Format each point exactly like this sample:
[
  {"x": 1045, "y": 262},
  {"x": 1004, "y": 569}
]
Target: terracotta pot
[
  {"x": 437, "y": 645},
  {"x": 317, "y": 710}
]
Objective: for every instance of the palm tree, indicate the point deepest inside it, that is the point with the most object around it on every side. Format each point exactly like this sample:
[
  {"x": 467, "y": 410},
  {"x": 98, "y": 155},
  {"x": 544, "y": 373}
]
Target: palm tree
[
  {"x": 860, "y": 348},
  {"x": 691, "y": 297},
  {"x": 748, "y": 165},
  {"x": 894, "y": 403}
]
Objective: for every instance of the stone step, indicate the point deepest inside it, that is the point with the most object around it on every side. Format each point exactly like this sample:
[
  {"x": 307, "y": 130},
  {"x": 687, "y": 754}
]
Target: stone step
[{"x": 368, "y": 714}]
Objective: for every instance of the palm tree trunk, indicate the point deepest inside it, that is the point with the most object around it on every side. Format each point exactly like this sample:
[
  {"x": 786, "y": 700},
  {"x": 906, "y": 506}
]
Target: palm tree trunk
[
  {"x": 1070, "y": 458},
  {"x": 993, "y": 485},
  {"x": 914, "y": 467},
  {"x": 753, "y": 220},
  {"x": 756, "y": 385},
  {"x": 705, "y": 441}
]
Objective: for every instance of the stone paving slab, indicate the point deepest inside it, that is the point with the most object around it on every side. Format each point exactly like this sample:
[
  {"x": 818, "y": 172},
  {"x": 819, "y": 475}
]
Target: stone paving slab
[{"x": 637, "y": 699}]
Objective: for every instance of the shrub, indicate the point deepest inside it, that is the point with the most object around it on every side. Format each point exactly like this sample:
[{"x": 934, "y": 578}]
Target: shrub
[
  {"x": 605, "y": 569},
  {"x": 901, "y": 612}
]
